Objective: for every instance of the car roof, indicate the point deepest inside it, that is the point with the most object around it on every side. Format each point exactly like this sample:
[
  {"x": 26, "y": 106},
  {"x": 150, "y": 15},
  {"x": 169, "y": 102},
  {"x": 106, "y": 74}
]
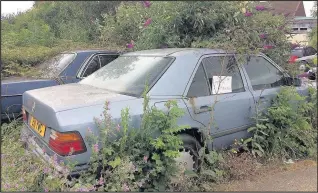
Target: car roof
[{"x": 175, "y": 52}]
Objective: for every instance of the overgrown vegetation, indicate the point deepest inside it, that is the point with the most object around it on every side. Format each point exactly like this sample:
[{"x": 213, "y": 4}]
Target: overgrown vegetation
[
  {"x": 287, "y": 129},
  {"x": 130, "y": 159},
  {"x": 47, "y": 29}
]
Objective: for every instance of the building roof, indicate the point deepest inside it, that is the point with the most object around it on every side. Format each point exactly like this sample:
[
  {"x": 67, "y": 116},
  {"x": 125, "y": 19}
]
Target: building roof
[{"x": 293, "y": 8}]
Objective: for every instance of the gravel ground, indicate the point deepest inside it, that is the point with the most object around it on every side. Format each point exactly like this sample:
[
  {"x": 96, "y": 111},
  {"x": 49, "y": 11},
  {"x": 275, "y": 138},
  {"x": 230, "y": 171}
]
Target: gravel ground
[{"x": 300, "y": 176}]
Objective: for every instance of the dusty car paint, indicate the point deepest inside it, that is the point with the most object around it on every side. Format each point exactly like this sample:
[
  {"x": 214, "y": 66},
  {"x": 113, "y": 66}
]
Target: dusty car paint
[{"x": 73, "y": 107}]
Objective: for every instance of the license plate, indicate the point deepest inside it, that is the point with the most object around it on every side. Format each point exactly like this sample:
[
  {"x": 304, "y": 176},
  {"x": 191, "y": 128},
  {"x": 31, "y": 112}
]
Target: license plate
[{"x": 37, "y": 126}]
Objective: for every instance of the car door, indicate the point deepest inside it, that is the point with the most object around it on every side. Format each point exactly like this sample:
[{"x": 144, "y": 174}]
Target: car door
[
  {"x": 264, "y": 79},
  {"x": 232, "y": 101}
]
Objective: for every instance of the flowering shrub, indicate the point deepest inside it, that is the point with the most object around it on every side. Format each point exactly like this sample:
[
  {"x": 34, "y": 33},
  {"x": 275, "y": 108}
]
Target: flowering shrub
[
  {"x": 131, "y": 159},
  {"x": 243, "y": 27}
]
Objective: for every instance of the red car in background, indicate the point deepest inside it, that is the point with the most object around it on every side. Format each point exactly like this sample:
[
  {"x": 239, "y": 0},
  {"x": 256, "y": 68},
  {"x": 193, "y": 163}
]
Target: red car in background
[{"x": 299, "y": 52}]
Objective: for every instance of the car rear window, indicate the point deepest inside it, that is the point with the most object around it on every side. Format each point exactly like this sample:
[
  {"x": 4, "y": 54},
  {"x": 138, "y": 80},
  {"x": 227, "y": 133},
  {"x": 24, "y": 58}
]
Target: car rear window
[
  {"x": 54, "y": 66},
  {"x": 129, "y": 74}
]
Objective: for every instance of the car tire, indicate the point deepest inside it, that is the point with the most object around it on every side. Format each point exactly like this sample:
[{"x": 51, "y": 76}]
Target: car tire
[{"x": 189, "y": 153}]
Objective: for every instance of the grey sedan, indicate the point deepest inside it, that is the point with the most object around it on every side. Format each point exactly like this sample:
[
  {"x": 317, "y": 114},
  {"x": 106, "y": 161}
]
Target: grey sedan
[{"x": 189, "y": 76}]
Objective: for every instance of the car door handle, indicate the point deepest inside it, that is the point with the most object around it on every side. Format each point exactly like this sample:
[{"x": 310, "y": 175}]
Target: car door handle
[{"x": 203, "y": 109}]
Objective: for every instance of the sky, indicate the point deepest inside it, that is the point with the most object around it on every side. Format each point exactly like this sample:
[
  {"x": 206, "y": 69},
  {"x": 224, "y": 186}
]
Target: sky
[{"x": 16, "y": 6}]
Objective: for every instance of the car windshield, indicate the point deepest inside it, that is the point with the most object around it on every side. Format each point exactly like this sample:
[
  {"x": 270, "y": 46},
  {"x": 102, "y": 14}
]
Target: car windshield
[
  {"x": 54, "y": 66},
  {"x": 128, "y": 74}
]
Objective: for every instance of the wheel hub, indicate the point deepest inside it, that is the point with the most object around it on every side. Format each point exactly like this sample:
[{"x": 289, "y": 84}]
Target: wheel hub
[{"x": 185, "y": 160}]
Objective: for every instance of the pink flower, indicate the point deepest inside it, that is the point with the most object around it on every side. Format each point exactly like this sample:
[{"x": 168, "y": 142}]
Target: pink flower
[
  {"x": 260, "y": 8},
  {"x": 145, "y": 158},
  {"x": 118, "y": 127},
  {"x": 146, "y": 4},
  {"x": 148, "y": 22},
  {"x": 95, "y": 148},
  {"x": 266, "y": 47},
  {"x": 89, "y": 129},
  {"x": 263, "y": 36},
  {"x": 131, "y": 44},
  {"x": 54, "y": 159},
  {"x": 248, "y": 14},
  {"x": 125, "y": 187},
  {"x": 46, "y": 190},
  {"x": 46, "y": 170},
  {"x": 7, "y": 186},
  {"x": 101, "y": 181}
]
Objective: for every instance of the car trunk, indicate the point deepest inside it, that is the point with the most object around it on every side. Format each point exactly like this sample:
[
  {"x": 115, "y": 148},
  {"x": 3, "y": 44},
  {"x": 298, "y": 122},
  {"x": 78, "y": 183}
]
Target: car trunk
[
  {"x": 43, "y": 104},
  {"x": 12, "y": 89}
]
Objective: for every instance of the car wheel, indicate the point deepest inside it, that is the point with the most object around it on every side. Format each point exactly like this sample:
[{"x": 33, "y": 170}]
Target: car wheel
[{"x": 189, "y": 154}]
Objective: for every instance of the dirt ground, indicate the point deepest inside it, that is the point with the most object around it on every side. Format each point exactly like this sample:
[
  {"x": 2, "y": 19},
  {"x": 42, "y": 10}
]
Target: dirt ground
[{"x": 299, "y": 176}]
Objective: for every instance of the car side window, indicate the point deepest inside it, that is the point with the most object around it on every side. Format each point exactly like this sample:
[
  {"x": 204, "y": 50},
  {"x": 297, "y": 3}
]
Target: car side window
[
  {"x": 92, "y": 66},
  {"x": 105, "y": 59},
  {"x": 223, "y": 74},
  {"x": 199, "y": 86},
  {"x": 263, "y": 74}
]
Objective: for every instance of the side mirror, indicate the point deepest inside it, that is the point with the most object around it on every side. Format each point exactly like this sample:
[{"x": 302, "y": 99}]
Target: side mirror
[{"x": 289, "y": 81}]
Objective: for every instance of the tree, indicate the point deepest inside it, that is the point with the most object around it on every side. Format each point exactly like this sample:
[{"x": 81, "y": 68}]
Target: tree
[{"x": 244, "y": 27}]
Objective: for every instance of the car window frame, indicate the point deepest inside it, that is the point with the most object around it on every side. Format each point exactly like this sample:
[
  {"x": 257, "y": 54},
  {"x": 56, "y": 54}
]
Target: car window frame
[
  {"x": 285, "y": 74},
  {"x": 245, "y": 84},
  {"x": 99, "y": 55},
  {"x": 88, "y": 63},
  {"x": 84, "y": 66}
]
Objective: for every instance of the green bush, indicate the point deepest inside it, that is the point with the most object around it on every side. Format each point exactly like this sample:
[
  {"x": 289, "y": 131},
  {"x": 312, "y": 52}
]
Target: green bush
[
  {"x": 214, "y": 24},
  {"x": 288, "y": 128}
]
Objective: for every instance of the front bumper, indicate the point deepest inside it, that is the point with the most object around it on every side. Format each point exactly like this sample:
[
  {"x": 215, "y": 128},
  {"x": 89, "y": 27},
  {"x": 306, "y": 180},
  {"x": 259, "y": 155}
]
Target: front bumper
[{"x": 41, "y": 150}]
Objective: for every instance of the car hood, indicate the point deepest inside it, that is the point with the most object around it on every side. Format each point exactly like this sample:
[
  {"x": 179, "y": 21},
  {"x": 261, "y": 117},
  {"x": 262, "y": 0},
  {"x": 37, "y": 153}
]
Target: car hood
[{"x": 70, "y": 96}]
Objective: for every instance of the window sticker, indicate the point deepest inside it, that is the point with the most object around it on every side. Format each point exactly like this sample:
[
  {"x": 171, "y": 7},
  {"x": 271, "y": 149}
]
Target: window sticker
[{"x": 221, "y": 84}]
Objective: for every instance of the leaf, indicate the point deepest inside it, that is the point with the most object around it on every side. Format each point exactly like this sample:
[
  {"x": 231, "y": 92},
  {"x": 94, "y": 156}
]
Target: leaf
[
  {"x": 208, "y": 173},
  {"x": 251, "y": 129},
  {"x": 259, "y": 153},
  {"x": 190, "y": 173},
  {"x": 247, "y": 140},
  {"x": 115, "y": 163}
]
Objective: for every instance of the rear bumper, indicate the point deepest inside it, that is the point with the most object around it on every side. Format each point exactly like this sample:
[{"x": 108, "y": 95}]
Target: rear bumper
[{"x": 41, "y": 150}]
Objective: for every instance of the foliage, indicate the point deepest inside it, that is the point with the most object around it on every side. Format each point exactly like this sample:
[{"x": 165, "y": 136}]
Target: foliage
[
  {"x": 313, "y": 37},
  {"x": 214, "y": 24},
  {"x": 313, "y": 34},
  {"x": 286, "y": 129},
  {"x": 130, "y": 158},
  {"x": 19, "y": 170},
  {"x": 31, "y": 37},
  {"x": 314, "y": 10}
]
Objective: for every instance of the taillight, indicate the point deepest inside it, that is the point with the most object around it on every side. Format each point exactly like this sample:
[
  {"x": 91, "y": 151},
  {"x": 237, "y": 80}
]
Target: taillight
[
  {"x": 24, "y": 116},
  {"x": 293, "y": 59},
  {"x": 66, "y": 143}
]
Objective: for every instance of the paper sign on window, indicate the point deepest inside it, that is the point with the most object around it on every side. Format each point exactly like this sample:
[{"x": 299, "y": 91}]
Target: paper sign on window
[{"x": 221, "y": 84}]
